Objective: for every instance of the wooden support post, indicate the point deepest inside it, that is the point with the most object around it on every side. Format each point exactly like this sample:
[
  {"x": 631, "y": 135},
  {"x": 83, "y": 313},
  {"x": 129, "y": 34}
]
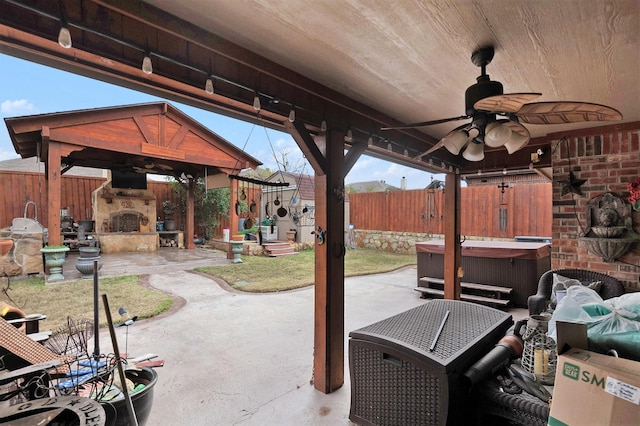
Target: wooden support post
[
  {"x": 325, "y": 153},
  {"x": 189, "y": 220},
  {"x": 452, "y": 236},
  {"x": 329, "y": 264},
  {"x": 54, "y": 187},
  {"x": 233, "y": 217}
]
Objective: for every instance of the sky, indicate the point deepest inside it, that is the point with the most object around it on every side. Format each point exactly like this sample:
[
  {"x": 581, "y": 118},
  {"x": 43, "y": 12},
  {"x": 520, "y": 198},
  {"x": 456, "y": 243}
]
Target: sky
[{"x": 28, "y": 88}]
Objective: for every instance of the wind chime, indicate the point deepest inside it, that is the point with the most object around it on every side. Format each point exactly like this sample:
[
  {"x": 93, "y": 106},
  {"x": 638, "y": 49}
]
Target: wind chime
[
  {"x": 432, "y": 214},
  {"x": 502, "y": 211}
]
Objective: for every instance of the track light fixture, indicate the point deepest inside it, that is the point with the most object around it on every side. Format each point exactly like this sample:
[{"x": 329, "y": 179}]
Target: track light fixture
[
  {"x": 147, "y": 65},
  {"x": 256, "y": 102},
  {"x": 64, "y": 36},
  {"x": 208, "y": 86},
  {"x": 349, "y": 137}
]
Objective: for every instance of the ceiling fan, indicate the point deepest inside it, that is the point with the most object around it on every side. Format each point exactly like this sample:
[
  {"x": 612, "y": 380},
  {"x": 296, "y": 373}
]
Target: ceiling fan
[
  {"x": 496, "y": 118},
  {"x": 145, "y": 165}
]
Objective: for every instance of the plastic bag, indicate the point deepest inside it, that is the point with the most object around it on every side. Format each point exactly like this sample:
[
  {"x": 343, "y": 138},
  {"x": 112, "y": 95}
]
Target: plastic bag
[{"x": 611, "y": 324}]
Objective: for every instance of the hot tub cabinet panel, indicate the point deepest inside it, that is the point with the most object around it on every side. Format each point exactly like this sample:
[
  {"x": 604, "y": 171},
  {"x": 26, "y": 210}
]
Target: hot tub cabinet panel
[{"x": 516, "y": 265}]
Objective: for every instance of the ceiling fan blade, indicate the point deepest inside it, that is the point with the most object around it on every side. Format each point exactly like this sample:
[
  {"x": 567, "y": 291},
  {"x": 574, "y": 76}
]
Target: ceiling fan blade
[
  {"x": 425, "y": 123},
  {"x": 509, "y": 102},
  {"x": 566, "y": 112},
  {"x": 454, "y": 141},
  {"x": 436, "y": 147}
]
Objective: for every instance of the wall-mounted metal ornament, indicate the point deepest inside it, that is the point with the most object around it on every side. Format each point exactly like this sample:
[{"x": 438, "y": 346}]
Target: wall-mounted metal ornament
[
  {"x": 572, "y": 185},
  {"x": 609, "y": 232}
]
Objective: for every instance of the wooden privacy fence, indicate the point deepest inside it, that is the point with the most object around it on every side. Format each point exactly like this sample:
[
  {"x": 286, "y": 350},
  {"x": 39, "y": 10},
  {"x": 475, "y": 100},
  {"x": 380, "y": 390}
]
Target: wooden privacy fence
[
  {"x": 524, "y": 209},
  {"x": 18, "y": 188}
]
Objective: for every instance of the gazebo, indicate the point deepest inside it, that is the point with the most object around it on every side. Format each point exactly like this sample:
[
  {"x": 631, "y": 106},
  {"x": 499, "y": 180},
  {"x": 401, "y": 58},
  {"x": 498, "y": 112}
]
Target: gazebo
[{"x": 130, "y": 141}]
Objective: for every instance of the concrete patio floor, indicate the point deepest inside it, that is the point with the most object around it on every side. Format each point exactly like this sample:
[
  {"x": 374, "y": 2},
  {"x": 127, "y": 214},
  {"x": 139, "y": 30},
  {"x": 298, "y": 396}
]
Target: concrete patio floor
[{"x": 238, "y": 358}]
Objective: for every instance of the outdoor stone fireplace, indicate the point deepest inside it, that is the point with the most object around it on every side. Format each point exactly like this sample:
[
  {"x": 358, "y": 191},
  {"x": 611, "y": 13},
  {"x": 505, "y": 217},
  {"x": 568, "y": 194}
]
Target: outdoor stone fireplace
[{"x": 125, "y": 219}]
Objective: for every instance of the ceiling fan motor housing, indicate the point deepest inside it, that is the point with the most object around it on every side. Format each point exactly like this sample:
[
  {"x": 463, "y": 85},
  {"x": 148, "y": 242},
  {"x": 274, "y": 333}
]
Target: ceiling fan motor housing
[{"x": 482, "y": 89}]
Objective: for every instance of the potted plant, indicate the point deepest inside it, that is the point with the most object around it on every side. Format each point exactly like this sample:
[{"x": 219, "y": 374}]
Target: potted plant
[
  {"x": 54, "y": 257},
  {"x": 168, "y": 209}
]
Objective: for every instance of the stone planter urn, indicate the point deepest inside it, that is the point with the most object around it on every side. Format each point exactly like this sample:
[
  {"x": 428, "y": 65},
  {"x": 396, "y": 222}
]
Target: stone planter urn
[
  {"x": 54, "y": 257},
  {"x": 85, "y": 261},
  {"x": 236, "y": 249}
]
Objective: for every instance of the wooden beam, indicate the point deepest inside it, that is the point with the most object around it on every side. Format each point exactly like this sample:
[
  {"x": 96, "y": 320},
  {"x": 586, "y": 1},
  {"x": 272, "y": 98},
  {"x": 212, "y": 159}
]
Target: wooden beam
[
  {"x": 452, "y": 237},
  {"x": 307, "y": 145},
  {"x": 329, "y": 265},
  {"x": 353, "y": 155}
]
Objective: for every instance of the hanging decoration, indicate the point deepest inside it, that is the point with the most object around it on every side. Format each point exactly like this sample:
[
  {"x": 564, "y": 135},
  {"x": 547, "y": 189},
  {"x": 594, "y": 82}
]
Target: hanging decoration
[
  {"x": 572, "y": 185},
  {"x": 502, "y": 211}
]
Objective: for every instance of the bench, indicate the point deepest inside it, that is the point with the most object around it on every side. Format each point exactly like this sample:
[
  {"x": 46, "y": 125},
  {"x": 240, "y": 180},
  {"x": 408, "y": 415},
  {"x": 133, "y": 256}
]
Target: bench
[{"x": 472, "y": 292}]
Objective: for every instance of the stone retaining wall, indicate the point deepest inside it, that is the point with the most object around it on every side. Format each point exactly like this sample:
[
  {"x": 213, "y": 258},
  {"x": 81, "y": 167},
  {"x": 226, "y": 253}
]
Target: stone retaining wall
[{"x": 398, "y": 242}]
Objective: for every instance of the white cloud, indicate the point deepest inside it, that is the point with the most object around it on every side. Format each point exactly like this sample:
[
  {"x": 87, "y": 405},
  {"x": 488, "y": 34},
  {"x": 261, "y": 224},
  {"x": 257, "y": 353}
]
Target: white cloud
[
  {"x": 8, "y": 155},
  {"x": 17, "y": 107}
]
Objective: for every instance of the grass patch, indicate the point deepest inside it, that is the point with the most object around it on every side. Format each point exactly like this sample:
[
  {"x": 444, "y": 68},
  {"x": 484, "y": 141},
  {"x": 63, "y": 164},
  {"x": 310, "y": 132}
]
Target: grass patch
[
  {"x": 261, "y": 274},
  {"x": 75, "y": 299}
]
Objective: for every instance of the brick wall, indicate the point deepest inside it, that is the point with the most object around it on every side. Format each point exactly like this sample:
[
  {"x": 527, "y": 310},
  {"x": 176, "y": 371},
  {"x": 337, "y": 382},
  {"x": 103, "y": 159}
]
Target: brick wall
[{"x": 608, "y": 158}]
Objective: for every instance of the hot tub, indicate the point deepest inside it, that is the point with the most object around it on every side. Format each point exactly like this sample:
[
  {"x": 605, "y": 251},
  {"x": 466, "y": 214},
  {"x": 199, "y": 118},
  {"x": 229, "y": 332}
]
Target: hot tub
[{"x": 516, "y": 265}]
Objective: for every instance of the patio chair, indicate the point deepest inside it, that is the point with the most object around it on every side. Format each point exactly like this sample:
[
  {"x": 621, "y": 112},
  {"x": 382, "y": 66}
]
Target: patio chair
[{"x": 610, "y": 286}]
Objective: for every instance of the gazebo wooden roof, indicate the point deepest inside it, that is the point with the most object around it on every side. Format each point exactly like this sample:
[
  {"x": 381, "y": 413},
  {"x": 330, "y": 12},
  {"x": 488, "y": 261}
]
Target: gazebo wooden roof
[{"x": 146, "y": 138}]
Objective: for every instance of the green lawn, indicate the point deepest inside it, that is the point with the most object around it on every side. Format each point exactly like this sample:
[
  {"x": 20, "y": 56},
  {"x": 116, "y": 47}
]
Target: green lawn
[
  {"x": 256, "y": 274},
  {"x": 75, "y": 299},
  {"x": 267, "y": 274}
]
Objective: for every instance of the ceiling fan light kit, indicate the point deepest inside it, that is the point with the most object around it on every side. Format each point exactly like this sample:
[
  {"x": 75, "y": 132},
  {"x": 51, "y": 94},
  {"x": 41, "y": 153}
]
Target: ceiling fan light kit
[
  {"x": 496, "y": 117},
  {"x": 474, "y": 152},
  {"x": 455, "y": 140},
  {"x": 497, "y": 134}
]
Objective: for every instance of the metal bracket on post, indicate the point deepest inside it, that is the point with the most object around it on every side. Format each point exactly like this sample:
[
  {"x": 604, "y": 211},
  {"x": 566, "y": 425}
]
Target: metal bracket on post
[{"x": 320, "y": 235}]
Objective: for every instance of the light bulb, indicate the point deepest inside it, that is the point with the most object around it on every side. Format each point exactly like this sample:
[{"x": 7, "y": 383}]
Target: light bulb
[
  {"x": 349, "y": 136},
  {"x": 370, "y": 141},
  {"x": 389, "y": 147},
  {"x": 323, "y": 126},
  {"x": 292, "y": 114},
  {"x": 208, "y": 86},
  {"x": 497, "y": 134},
  {"x": 474, "y": 152},
  {"x": 256, "y": 102},
  {"x": 516, "y": 142},
  {"x": 64, "y": 37},
  {"x": 147, "y": 66},
  {"x": 455, "y": 140},
  {"x": 406, "y": 152}
]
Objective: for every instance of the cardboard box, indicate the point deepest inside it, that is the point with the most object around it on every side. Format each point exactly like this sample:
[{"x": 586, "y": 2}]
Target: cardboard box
[{"x": 594, "y": 389}]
